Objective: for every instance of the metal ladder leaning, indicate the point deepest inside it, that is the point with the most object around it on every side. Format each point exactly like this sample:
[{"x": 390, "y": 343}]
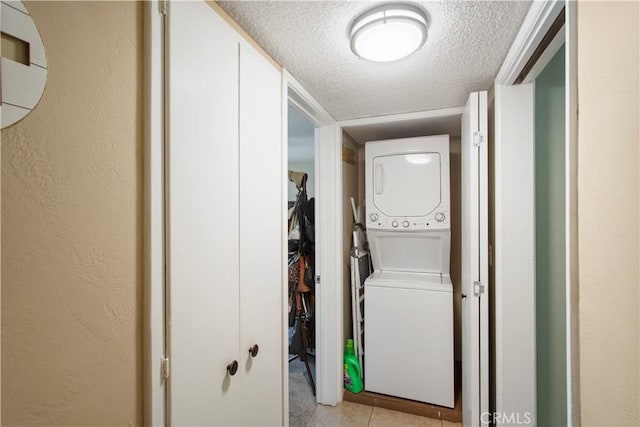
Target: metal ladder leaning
[{"x": 360, "y": 269}]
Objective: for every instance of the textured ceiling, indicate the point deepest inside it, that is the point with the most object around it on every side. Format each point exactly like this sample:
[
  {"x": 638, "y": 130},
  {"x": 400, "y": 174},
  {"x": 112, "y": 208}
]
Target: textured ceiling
[
  {"x": 466, "y": 45},
  {"x": 448, "y": 125}
]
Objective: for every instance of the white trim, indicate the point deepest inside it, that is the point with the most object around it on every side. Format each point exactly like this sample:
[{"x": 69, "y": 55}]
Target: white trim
[
  {"x": 153, "y": 240},
  {"x": 514, "y": 210},
  {"x": 546, "y": 56},
  {"x": 394, "y": 118},
  {"x": 571, "y": 212},
  {"x": 329, "y": 301},
  {"x": 536, "y": 24},
  {"x": 540, "y": 17},
  {"x": 483, "y": 229},
  {"x": 285, "y": 273},
  {"x": 0, "y": 284},
  {"x": 329, "y": 243},
  {"x": 302, "y": 99}
]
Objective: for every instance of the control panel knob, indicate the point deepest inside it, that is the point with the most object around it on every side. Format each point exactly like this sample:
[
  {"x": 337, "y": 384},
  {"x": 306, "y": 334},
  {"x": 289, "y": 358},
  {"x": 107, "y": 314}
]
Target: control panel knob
[
  {"x": 394, "y": 224},
  {"x": 373, "y": 217},
  {"x": 405, "y": 224},
  {"x": 439, "y": 217}
]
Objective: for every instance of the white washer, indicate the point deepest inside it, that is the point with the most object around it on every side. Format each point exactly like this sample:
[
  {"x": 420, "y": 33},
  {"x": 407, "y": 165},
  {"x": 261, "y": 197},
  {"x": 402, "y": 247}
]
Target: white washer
[
  {"x": 409, "y": 298},
  {"x": 409, "y": 337}
]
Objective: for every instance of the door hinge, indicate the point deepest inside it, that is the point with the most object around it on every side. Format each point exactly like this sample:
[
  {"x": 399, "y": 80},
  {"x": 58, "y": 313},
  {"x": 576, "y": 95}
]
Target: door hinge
[
  {"x": 163, "y": 7},
  {"x": 478, "y": 138},
  {"x": 317, "y": 279},
  {"x": 164, "y": 368},
  {"x": 478, "y": 288}
]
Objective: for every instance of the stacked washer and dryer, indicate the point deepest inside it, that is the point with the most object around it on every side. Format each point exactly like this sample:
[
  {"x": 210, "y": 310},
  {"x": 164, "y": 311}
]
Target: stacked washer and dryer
[{"x": 409, "y": 297}]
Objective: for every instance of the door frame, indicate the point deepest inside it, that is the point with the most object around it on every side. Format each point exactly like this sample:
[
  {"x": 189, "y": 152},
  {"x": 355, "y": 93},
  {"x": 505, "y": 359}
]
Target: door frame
[
  {"x": 539, "y": 19},
  {"x": 328, "y": 171},
  {"x": 153, "y": 241},
  {"x": 514, "y": 250},
  {"x": 328, "y": 152}
]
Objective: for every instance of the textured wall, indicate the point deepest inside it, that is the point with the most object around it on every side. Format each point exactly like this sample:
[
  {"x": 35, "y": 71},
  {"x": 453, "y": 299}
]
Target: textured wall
[
  {"x": 608, "y": 97},
  {"x": 71, "y": 226},
  {"x": 350, "y": 174}
]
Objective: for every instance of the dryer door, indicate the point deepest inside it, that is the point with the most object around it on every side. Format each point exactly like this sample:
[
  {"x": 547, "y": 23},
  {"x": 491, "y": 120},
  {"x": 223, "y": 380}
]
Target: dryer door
[{"x": 407, "y": 184}]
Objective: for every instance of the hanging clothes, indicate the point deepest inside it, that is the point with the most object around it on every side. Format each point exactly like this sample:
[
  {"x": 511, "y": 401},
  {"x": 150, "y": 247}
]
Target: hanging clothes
[{"x": 301, "y": 229}]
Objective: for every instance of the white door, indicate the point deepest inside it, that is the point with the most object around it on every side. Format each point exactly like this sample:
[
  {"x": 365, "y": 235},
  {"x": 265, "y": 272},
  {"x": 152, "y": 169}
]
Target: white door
[
  {"x": 202, "y": 216},
  {"x": 475, "y": 267},
  {"x": 261, "y": 256}
]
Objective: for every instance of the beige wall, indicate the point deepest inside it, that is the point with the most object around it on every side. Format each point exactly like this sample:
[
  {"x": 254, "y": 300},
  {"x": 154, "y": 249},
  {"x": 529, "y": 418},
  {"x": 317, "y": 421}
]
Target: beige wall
[
  {"x": 350, "y": 178},
  {"x": 608, "y": 186},
  {"x": 71, "y": 226},
  {"x": 361, "y": 175}
]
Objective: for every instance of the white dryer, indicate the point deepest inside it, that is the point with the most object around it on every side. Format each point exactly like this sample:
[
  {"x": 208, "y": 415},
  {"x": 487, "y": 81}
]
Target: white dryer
[{"x": 409, "y": 297}]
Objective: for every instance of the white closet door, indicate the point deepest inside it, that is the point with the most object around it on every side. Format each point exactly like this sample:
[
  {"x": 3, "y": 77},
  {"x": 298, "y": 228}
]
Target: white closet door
[
  {"x": 475, "y": 245},
  {"x": 202, "y": 217},
  {"x": 261, "y": 281}
]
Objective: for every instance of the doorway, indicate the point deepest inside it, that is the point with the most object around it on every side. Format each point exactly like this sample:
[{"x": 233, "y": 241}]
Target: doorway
[
  {"x": 435, "y": 122},
  {"x": 301, "y": 266},
  {"x": 328, "y": 230},
  {"x": 550, "y": 243}
]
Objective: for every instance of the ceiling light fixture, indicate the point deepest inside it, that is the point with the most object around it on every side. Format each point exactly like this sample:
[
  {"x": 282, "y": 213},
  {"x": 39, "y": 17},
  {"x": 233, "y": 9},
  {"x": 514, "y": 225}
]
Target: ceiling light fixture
[{"x": 388, "y": 32}]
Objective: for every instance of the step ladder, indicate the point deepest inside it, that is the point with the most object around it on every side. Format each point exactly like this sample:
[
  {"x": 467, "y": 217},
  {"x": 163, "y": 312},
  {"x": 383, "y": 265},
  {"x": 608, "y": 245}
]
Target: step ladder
[{"x": 360, "y": 270}]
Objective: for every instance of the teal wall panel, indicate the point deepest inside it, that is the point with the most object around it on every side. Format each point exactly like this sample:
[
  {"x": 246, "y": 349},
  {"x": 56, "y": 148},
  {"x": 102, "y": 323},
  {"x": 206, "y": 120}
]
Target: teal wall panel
[{"x": 550, "y": 243}]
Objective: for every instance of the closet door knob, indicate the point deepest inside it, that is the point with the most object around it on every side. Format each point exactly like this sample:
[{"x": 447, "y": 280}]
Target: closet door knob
[
  {"x": 232, "y": 368},
  {"x": 253, "y": 350}
]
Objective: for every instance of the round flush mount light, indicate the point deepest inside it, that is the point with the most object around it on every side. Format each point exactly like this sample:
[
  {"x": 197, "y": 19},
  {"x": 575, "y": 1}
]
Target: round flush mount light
[{"x": 389, "y": 32}]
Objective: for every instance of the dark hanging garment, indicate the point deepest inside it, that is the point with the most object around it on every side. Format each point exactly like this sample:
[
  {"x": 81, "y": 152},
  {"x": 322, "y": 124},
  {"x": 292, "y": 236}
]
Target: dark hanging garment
[{"x": 302, "y": 273}]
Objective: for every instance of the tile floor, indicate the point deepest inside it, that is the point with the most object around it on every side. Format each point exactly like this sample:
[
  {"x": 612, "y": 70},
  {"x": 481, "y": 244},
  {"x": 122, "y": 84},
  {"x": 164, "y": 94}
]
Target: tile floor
[{"x": 355, "y": 414}]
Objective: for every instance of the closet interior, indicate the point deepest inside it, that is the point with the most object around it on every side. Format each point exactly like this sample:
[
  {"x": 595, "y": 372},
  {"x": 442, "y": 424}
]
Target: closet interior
[{"x": 355, "y": 134}]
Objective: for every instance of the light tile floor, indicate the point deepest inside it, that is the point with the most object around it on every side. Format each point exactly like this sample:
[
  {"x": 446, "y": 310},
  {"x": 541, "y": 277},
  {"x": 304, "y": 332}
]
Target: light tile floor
[{"x": 355, "y": 414}]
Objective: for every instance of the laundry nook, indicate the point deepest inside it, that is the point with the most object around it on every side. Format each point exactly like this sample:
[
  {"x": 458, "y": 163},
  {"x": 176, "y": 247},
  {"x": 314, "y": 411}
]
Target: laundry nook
[
  {"x": 409, "y": 297},
  {"x": 423, "y": 182}
]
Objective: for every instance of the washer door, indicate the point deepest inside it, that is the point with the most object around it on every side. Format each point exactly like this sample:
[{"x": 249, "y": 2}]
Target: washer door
[
  {"x": 408, "y": 338},
  {"x": 407, "y": 184}
]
